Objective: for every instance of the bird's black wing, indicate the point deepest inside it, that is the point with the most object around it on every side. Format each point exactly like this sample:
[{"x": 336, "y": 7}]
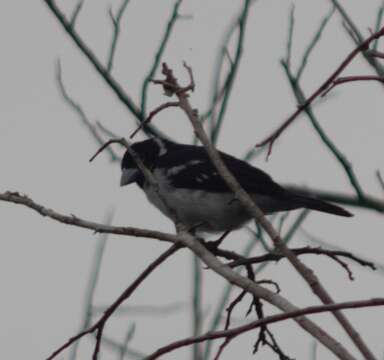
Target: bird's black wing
[{"x": 190, "y": 167}]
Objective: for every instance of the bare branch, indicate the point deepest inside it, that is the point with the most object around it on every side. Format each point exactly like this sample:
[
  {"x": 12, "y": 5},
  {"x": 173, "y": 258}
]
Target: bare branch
[
  {"x": 291, "y": 25},
  {"x": 93, "y": 59},
  {"x": 267, "y": 320},
  {"x": 224, "y": 298},
  {"x": 119, "y": 348},
  {"x": 341, "y": 158},
  {"x": 380, "y": 179},
  {"x": 312, "y": 44},
  {"x": 368, "y": 202},
  {"x": 159, "y": 53},
  {"x": 128, "y": 337},
  {"x": 242, "y": 22},
  {"x": 94, "y": 276},
  {"x": 363, "y": 46},
  {"x": 80, "y": 112},
  {"x": 252, "y": 208},
  {"x": 199, "y": 250},
  {"x": 143, "y": 310},
  {"x": 152, "y": 114},
  {"x": 73, "y": 220},
  {"x": 346, "y": 79},
  {"x": 273, "y": 256},
  {"x": 196, "y": 308},
  {"x": 116, "y": 21},
  {"x": 379, "y": 19},
  {"x": 357, "y": 37},
  {"x": 307, "y": 274},
  {"x": 76, "y": 13},
  {"x": 375, "y": 53},
  {"x": 99, "y": 67},
  {"x": 98, "y": 327},
  {"x": 106, "y": 131}
]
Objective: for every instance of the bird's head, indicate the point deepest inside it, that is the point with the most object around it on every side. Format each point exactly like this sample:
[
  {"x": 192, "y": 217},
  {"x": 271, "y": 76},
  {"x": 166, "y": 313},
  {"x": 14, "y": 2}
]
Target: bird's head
[{"x": 148, "y": 151}]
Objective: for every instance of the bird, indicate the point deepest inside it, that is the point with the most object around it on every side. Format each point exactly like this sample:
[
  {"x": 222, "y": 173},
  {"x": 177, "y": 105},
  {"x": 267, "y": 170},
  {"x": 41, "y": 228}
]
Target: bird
[{"x": 194, "y": 190}]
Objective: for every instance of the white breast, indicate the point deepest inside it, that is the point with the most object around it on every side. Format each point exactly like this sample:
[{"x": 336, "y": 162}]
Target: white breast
[{"x": 213, "y": 212}]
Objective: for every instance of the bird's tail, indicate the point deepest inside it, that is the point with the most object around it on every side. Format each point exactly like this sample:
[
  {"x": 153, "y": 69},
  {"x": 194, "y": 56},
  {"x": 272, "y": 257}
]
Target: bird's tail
[{"x": 319, "y": 205}]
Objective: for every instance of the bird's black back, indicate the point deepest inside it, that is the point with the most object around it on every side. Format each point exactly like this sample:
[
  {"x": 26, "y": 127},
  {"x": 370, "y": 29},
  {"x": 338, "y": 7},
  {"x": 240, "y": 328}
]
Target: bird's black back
[{"x": 194, "y": 170}]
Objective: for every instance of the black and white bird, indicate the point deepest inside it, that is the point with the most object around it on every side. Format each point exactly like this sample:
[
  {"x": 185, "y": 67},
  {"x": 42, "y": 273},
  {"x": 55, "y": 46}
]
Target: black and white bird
[{"x": 193, "y": 189}]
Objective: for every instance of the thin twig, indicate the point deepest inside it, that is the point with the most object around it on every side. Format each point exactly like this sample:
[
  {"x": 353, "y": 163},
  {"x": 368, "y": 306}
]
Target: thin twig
[
  {"x": 217, "y": 90},
  {"x": 379, "y": 19},
  {"x": 291, "y": 26},
  {"x": 375, "y": 53},
  {"x": 197, "y": 313},
  {"x": 106, "y": 131},
  {"x": 73, "y": 220},
  {"x": 224, "y": 298},
  {"x": 320, "y": 242},
  {"x": 363, "y": 46},
  {"x": 94, "y": 276},
  {"x": 222, "y": 346},
  {"x": 341, "y": 158},
  {"x": 80, "y": 112},
  {"x": 116, "y": 22},
  {"x": 76, "y": 13},
  {"x": 253, "y": 209},
  {"x": 117, "y": 347},
  {"x": 88, "y": 53},
  {"x": 307, "y": 274},
  {"x": 267, "y": 320},
  {"x": 273, "y": 256},
  {"x": 312, "y": 44},
  {"x": 128, "y": 337},
  {"x": 346, "y": 79},
  {"x": 368, "y": 202},
  {"x": 143, "y": 310},
  {"x": 152, "y": 114},
  {"x": 242, "y": 22},
  {"x": 98, "y": 327},
  {"x": 198, "y": 249},
  {"x": 380, "y": 179},
  {"x": 357, "y": 37},
  {"x": 159, "y": 53}
]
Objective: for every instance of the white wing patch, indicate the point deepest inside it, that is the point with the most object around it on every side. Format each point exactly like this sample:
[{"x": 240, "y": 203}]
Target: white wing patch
[
  {"x": 193, "y": 162},
  {"x": 163, "y": 149},
  {"x": 176, "y": 169}
]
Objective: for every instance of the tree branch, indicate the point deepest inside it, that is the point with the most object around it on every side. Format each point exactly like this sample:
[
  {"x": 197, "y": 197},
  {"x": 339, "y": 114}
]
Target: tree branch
[
  {"x": 302, "y": 251},
  {"x": 358, "y": 38},
  {"x": 368, "y": 202},
  {"x": 343, "y": 161},
  {"x": 242, "y": 22},
  {"x": 116, "y": 21},
  {"x": 99, "y": 325},
  {"x": 80, "y": 112},
  {"x": 159, "y": 53},
  {"x": 99, "y": 67},
  {"x": 308, "y": 275},
  {"x": 73, "y": 220},
  {"x": 361, "y": 47},
  {"x": 94, "y": 276},
  {"x": 228, "y": 334}
]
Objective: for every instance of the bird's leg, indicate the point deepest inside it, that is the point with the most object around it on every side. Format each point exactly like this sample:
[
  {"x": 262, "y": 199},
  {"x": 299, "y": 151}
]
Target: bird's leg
[{"x": 193, "y": 228}]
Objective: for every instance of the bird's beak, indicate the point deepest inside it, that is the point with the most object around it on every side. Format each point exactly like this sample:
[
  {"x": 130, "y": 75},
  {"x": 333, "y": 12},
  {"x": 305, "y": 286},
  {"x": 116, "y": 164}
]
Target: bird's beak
[{"x": 128, "y": 176}]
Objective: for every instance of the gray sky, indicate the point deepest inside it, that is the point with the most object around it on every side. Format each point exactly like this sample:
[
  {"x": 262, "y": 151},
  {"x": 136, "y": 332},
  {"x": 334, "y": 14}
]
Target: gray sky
[{"x": 44, "y": 152}]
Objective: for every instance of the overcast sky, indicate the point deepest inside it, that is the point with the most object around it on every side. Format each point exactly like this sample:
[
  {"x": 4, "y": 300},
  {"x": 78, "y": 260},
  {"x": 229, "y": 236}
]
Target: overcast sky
[{"x": 44, "y": 152}]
